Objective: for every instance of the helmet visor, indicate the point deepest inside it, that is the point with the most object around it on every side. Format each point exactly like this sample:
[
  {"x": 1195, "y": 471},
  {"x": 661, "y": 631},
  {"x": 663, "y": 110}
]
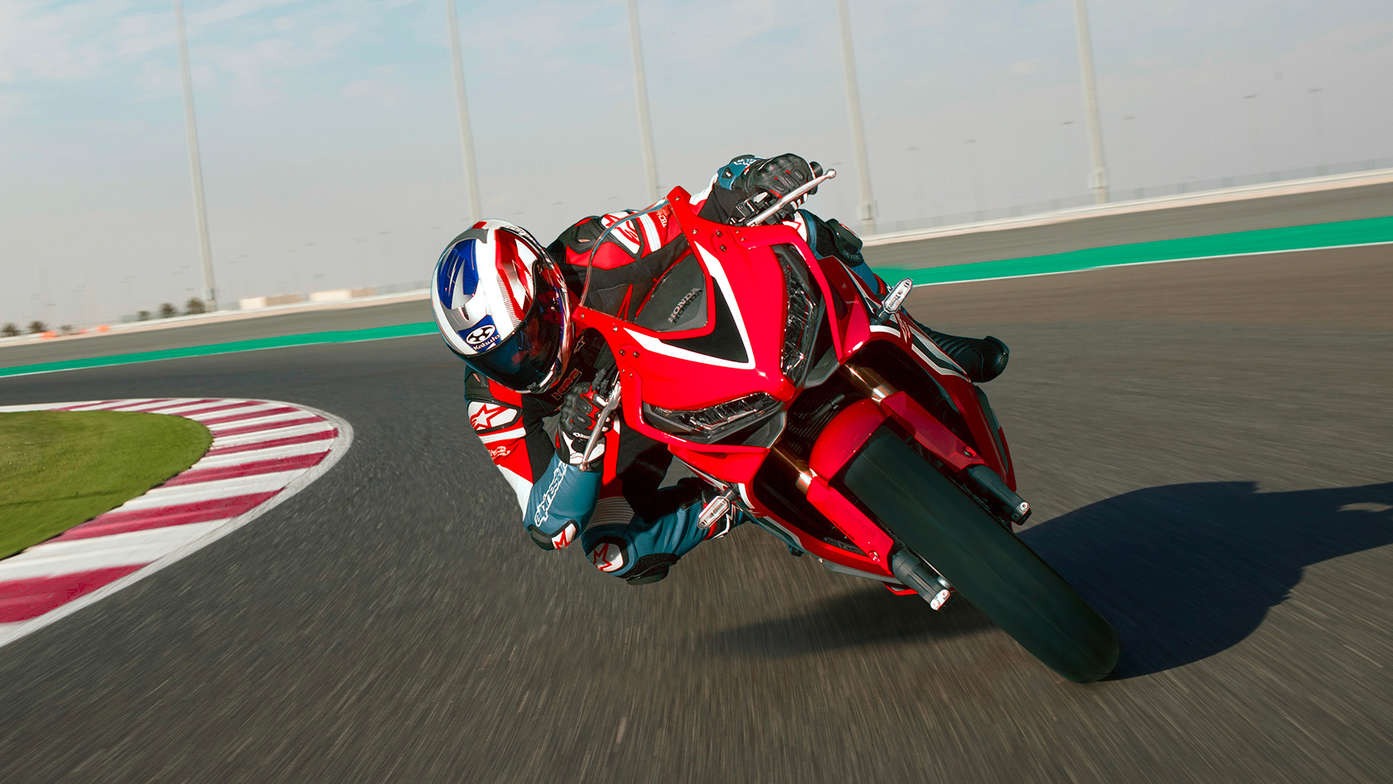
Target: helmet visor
[{"x": 529, "y": 359}]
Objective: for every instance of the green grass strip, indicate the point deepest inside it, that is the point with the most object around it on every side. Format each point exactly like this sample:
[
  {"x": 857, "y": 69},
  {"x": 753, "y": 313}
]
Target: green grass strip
[
  {"x": 230, "y": 347},
  {"x": 61, "y": 468},
  {"x": 1318, "y": 235}
]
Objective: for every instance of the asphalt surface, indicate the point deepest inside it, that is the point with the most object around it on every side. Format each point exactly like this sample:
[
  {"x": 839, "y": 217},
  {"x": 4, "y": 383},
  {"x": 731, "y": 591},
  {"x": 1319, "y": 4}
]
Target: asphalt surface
[
  {"x": 1371, "y": 201},
  {"x": 1210, "y": 456}
]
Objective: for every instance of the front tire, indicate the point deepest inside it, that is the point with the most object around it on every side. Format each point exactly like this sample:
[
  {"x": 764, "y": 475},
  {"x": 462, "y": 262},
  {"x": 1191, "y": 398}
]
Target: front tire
[{"x": 988, "y": 565}]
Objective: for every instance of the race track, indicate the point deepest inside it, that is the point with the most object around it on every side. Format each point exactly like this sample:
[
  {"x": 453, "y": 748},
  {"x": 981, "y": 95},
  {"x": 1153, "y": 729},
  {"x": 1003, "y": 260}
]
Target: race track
[{"x": 1208, "y": 446}]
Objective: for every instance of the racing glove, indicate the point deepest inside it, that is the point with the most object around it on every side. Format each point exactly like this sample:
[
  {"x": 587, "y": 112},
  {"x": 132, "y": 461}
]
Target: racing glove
[
  {"x": 579, "y": 417},
  {"x": 764, "y": 182}
]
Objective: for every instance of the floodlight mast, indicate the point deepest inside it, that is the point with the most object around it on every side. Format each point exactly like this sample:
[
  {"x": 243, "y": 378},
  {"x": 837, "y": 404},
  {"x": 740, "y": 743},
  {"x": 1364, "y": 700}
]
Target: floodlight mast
[{"x": 200, "y": 208}]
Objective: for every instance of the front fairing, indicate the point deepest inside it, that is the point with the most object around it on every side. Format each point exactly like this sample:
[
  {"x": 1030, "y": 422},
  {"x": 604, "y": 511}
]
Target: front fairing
[
  {"x": 667, "y": 361},
  {"x": 674, "y": 361}
]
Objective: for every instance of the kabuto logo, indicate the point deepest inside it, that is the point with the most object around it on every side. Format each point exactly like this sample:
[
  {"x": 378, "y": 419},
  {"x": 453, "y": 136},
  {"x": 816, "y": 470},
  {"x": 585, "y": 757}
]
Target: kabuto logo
[{"x": 482, "y": 337}]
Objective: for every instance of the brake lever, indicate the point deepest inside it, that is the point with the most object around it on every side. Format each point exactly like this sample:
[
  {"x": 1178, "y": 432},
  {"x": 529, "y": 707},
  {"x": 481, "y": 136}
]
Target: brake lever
[
  {"x": 609, "y": 402},
  {"x": 791, "y": 196}
]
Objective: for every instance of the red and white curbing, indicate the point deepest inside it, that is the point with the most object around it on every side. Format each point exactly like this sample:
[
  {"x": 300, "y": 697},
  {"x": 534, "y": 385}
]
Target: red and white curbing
[{"x": 263, "y": 452}]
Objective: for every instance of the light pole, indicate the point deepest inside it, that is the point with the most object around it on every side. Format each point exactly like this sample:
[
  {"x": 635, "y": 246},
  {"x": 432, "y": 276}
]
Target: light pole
[
  {"x": 858, "y": 133},
  {"x": 200, "y": 209},
  {"x": 466, "y": 137},
  {"x": 645, "y": 123},
  {"x": 1098, "y": 181}
]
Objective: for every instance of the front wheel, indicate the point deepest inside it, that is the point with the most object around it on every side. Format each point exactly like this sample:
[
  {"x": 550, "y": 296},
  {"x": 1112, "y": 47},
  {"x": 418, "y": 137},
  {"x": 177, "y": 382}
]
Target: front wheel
[{"x": 934, "y": 519}]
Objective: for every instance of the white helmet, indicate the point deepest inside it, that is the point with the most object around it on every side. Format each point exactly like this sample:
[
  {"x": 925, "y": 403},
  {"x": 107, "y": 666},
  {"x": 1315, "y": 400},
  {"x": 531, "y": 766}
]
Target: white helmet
[{"x": 501, "y": 303}]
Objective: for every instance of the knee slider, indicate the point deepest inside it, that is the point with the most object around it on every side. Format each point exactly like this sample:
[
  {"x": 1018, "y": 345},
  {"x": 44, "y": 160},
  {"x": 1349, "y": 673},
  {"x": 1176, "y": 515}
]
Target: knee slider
[
  {"x": 556, "y": 541},
  {"x": 610, "y": 554}
]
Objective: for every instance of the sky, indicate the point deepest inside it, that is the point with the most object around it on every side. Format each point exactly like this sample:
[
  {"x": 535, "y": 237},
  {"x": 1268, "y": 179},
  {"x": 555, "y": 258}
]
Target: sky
[{"x": 330, "y": 140}]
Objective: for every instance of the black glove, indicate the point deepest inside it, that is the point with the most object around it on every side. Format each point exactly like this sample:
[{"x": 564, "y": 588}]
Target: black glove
[
  {"x": 764, "y": 182},
  {"x": 579, "y": 416}
]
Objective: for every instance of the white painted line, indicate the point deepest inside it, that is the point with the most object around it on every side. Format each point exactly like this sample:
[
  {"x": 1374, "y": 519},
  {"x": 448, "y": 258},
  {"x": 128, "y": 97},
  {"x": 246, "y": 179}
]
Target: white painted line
[
  {"x": 100, "y": 405},
  {"x": 266, "y": 420},
  {"x": 150, "y": 407},
  {"x": 226, "y": 412},
  {"x": 218, "y": 488},
  {"x": 180, "y": 409},
  {"x": 127, "y": 405},
  {"x": 267, "y": 435},
  {"x": 67, "y": 556},
  {"x": 271, "y": 453}
]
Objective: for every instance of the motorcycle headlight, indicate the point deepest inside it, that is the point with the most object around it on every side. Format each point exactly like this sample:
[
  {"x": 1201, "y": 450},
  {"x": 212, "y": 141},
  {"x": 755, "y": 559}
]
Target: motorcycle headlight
[
  {"x": 804, "y": 312},
  {"x": 714, "y": 422}
]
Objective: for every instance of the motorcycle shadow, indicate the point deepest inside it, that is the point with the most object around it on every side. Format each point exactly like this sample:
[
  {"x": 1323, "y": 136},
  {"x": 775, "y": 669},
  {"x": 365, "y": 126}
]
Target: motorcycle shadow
[
  {"x": 1186, "y": 571},
  {"x": 865, "y": 616}
]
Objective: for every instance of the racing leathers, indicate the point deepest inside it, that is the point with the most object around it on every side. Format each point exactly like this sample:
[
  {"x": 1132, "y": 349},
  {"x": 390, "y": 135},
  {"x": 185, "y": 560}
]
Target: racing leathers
[{"x": 630, "y": 526}]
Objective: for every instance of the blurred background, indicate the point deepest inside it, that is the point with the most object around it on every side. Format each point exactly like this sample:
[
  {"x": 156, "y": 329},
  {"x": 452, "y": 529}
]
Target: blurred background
[{"x": 330, "y": 137}]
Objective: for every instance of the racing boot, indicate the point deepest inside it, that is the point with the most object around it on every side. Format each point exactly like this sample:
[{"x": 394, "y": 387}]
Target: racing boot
[{"x": 982, "y": 359}]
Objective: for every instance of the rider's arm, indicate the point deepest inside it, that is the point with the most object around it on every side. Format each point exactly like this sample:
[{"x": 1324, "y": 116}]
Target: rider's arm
[{"x": 556, "y": 499}]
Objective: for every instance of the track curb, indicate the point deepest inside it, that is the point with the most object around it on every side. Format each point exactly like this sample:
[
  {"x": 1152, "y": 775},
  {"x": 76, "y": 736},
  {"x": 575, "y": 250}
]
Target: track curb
[{"x": 262, "y": 453}]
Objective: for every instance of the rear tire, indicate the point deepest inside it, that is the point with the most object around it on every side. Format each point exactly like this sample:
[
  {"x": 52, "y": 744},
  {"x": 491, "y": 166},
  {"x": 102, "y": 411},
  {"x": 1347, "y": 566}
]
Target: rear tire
[{"x": 987, "y": 564}]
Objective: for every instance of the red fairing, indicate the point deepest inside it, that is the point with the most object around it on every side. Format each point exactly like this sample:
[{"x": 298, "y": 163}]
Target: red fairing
[
  {"x": 844, "y": 436},
  {"x": 690, "y": 373}
]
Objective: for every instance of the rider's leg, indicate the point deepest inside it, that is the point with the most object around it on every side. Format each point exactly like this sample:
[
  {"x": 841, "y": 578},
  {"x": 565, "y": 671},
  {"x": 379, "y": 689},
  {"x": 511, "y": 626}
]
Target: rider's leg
[{"x": 981, "y": 359}]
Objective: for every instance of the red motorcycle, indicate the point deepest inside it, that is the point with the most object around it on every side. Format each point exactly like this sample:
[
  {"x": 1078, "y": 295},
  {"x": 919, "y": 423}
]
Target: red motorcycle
[{"x": 806, "y": 400}]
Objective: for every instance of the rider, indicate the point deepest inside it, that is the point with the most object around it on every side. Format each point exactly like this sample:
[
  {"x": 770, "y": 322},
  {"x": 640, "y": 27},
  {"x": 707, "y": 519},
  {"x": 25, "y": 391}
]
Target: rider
[{"x": 502, "y": 303}]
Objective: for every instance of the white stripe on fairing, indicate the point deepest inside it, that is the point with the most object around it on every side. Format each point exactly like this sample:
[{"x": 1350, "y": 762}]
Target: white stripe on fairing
[
  {"x": 257, "y": 455},
  {"x": 207, "y": 491},
  {"x": 713, "y": 267},
  {"x": 232, "y": 412},
  {"x": 66, "y": 556},
  {"x": 267, "y": 435},
  {"x": 9, "y": 632},
  {"x": 266, "y": 420},
  {"x": 516, "y": 432}
]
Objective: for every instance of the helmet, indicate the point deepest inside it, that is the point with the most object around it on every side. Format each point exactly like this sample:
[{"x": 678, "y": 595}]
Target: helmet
[{"x": 501, "y": 304}]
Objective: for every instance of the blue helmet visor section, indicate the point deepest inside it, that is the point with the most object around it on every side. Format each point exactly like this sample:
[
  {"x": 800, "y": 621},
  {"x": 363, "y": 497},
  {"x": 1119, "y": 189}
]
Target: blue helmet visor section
[{"x": 528, "y": 359}]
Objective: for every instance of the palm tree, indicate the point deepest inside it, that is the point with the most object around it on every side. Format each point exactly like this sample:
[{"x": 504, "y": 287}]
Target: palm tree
[
  {"x": 35, "y": 327},
  {"x": 10, "y": 330}
]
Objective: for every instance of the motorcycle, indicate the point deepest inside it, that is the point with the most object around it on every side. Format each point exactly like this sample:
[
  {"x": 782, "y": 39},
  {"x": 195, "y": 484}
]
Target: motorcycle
[{"x": 815, "y": 408}]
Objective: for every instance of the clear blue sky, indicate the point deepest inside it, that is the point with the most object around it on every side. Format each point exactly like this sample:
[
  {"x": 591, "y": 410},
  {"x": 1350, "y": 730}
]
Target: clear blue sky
[{"x": 330, "y": 140}]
